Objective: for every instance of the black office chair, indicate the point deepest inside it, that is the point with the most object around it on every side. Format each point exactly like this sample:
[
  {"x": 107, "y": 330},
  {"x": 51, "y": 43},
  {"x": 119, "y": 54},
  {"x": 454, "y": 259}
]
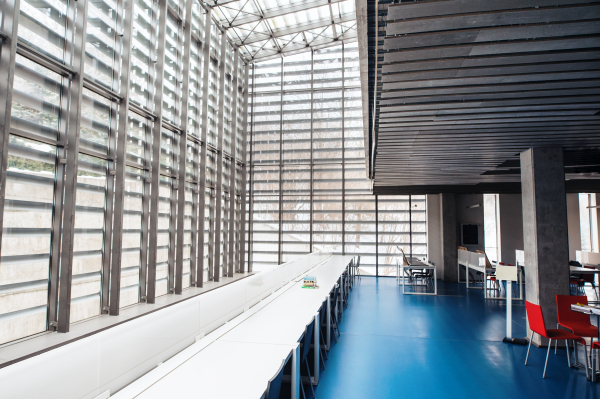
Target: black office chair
[
  {"x": 304, "y": 349},
  {"x": 274, "y": 386}
]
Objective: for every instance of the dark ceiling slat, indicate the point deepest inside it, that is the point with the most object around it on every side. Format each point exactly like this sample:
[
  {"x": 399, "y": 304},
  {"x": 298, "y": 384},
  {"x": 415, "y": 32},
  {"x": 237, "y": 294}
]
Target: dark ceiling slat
[
  {"x": 442, "y": 8},
  {"x": 495, "y": 18}
]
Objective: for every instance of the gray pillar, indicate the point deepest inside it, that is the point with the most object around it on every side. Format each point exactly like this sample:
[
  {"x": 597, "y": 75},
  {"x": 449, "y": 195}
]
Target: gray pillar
[
  {"x": 510, "y": 220},
  {"x": 434, "y": 235},
  {"x": 574, "y": 225},
  {"x": 545, "y": 230},
  {"x": 448, "y": 234}
]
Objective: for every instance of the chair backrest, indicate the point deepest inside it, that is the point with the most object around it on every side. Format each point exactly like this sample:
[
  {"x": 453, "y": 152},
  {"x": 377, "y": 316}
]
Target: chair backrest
[
  {"x": 308, "y": 333},
  {"x": 487, "y": 261},
  {"x": 536, "y": 318},
  {"x": 566, "y": 316},
  {"x": 274, "y": 387}
]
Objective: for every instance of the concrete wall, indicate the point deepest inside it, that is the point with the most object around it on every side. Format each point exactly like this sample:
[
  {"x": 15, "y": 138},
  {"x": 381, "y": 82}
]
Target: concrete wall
[
  {"x": 434, "y": 238},
  {"x": 470, "y": 216},
  {"x": 574, "y": 224},
  {"x": 510, "y": 220}
]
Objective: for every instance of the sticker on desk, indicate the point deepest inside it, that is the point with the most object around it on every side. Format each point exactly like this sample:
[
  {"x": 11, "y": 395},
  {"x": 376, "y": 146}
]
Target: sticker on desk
[{"x": 310, "y": 282}]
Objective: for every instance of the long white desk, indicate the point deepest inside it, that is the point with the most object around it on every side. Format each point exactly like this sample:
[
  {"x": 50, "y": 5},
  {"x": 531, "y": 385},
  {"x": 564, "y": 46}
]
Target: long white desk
[{"x": 253, "y": 348}]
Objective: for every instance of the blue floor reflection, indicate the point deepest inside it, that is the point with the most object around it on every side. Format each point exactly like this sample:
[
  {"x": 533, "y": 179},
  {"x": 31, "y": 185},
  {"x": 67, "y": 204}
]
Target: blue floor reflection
[{"x": 449, "y": 346}]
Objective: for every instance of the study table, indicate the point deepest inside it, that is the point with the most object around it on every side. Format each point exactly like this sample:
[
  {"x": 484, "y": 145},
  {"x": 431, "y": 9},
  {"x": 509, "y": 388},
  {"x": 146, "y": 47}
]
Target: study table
[
  {"x": 406, "y": 271},
  {"x": 592, "y": 311},
  {"x": 253, "y": 348}
]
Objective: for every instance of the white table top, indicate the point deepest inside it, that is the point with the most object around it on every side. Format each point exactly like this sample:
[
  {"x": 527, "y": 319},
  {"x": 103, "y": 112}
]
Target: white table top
[
  {"x": 283, "y": 321},
  {"x": 211, "y": 372},
  {"x": 253, "y": 350},
  {"x": 583, "y": 270},
  {"x": 419, "y": 267},
  {"x": 586, "y": 309}
]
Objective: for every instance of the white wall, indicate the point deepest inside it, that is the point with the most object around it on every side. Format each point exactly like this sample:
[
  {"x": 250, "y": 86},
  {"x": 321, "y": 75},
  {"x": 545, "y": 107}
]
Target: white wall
[{"x": 574, "y": 225}]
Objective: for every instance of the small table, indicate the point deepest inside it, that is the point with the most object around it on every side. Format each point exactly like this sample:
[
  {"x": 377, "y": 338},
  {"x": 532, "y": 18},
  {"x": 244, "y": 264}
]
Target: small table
[
  {"x": 410, "y": 268},
  {"x": 592, "y": 311}
]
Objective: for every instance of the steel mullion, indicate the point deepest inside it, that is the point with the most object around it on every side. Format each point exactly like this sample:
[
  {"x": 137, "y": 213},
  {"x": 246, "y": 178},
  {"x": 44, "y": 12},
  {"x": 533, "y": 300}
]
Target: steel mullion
[
  {"x": 280, "y": 243},
  {"x": 124, "y": 25},
  {"x": 187, "y": 40},
  {"x": 205, "y": 58},
  {"x": 116, "y": 99},
  {"x": 8, "y": 55},
  {"x": 219, "y": 189},
  {"x": 234, "y": 84},
  {"x": 250, "y": 165},
  {"x": 195, "y": 197},
  {"x": 242, "y": 233},
  {"x": 312, "y": 172},
  {"x": 156, "y": 135},
  {"x": 76, "y": 29},
  {"x": 175, "y": 192},
  {"x": 376, "y": 236},
  {"x": 343, "y": 155}
]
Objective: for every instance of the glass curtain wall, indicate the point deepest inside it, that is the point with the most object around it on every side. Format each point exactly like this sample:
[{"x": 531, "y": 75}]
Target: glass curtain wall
[
  {"x": 89, "y": 108},
  {"x": 309, "y": 190}
]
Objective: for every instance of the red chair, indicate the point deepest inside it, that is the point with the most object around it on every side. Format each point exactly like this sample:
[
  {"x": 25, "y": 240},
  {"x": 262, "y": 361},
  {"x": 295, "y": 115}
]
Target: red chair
[
  {"x": 537, "y": 325},
  {"x": 577, "y": 323}
]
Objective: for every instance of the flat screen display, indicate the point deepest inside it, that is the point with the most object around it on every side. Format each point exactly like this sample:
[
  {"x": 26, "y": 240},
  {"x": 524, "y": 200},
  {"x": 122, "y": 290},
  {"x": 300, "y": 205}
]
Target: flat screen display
[{"x": 470, "y": 234}]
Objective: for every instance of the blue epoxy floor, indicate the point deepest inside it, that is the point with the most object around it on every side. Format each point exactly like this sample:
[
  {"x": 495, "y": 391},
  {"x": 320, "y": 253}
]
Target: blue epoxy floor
[{"x": 449, "y": 346}]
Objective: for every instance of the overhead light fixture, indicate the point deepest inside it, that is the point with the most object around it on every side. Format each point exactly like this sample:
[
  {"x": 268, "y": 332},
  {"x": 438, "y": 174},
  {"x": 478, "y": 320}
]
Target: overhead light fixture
[{"x": 474, "y": 206}]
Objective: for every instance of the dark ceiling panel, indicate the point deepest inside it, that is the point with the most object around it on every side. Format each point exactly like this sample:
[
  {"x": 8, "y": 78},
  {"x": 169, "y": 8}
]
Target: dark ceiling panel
[{"x": 464, "y": 86}]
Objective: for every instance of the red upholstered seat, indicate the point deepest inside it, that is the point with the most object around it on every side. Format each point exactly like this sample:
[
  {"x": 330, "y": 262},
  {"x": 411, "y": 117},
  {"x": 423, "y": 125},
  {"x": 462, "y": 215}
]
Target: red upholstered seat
[
  {"x": 538, "y": 326},
  {"x": 577, "y": 323}
]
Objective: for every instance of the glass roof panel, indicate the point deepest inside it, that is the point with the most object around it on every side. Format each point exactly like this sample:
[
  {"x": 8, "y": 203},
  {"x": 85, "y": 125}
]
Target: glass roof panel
[{"x": 268, "y": 28}]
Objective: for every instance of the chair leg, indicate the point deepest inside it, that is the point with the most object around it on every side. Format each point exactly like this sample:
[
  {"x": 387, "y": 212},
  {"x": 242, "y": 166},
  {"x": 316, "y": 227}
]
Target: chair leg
[
  {"x": 587, "y": 371},
  {"x": 556, "y": 342},
  {"x": 568, "y": 354},
  {"x": 322, "y": 358},
  {"x": 302, "y": 388},
  {"x": 310, "y": 379},
  {"x": 547, "y": 354},
  {"x": 575, "y": 350},
  {"x": 528, "y": 348}
]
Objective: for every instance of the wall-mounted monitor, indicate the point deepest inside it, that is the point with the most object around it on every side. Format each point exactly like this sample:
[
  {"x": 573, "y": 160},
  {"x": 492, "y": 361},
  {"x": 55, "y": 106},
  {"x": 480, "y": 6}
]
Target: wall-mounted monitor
[{"x": 469, "y": 234}]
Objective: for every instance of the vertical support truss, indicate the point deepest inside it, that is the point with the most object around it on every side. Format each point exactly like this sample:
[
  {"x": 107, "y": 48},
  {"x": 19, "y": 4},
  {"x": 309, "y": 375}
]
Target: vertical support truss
[
  {"x": 8, "y": 53},
  {"x": 250, "y": 168},
  {"x": 312, "y": 160},
  {"x": 125, "y": 24},
  {"x": 204, "y": 133},
  {"x": 219, "y": 189},
  {"x": 280, "y": 246},
  {"x": 232, "y": 194},
  {"x": 156, "y": 136},
  {"x": 244, "y": 152},
  {"x": 76, "y": 26}
]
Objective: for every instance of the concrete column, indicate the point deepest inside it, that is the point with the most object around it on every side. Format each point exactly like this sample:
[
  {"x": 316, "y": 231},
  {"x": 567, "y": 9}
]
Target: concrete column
[
  {"x": 434, "y": 235},
  {"x": 510, "y": 220},
  {"x": 574, "y": 225},
  {"x": 545, "y": 230},
  {"x": 449, "y": 238},
  {"x": 596, "y": 229}
]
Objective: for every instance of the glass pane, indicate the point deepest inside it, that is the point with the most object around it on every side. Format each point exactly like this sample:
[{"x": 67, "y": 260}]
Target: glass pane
[
  {"x": 171, "y": 84},
  {"x": 188, "y": 219},
  {"x": 213, "y": 95},
  {"x": 167, "y": 145},
  {"x": 36, "y": 99},
  {"x": 132, "y": 236},
  {"x": 138, "y": 130},
  {"x": 165, "y": 189},
  {"x": 195, "y": 90},
  {"x": 100, "y": 41},
  {"x": 140, "y": 81},
  {"x": 25, "y": 262},
  {"x": 88, "y": 242},
  {"x": 95, "y": 122},
  {"x": 42, "y": 25}
]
